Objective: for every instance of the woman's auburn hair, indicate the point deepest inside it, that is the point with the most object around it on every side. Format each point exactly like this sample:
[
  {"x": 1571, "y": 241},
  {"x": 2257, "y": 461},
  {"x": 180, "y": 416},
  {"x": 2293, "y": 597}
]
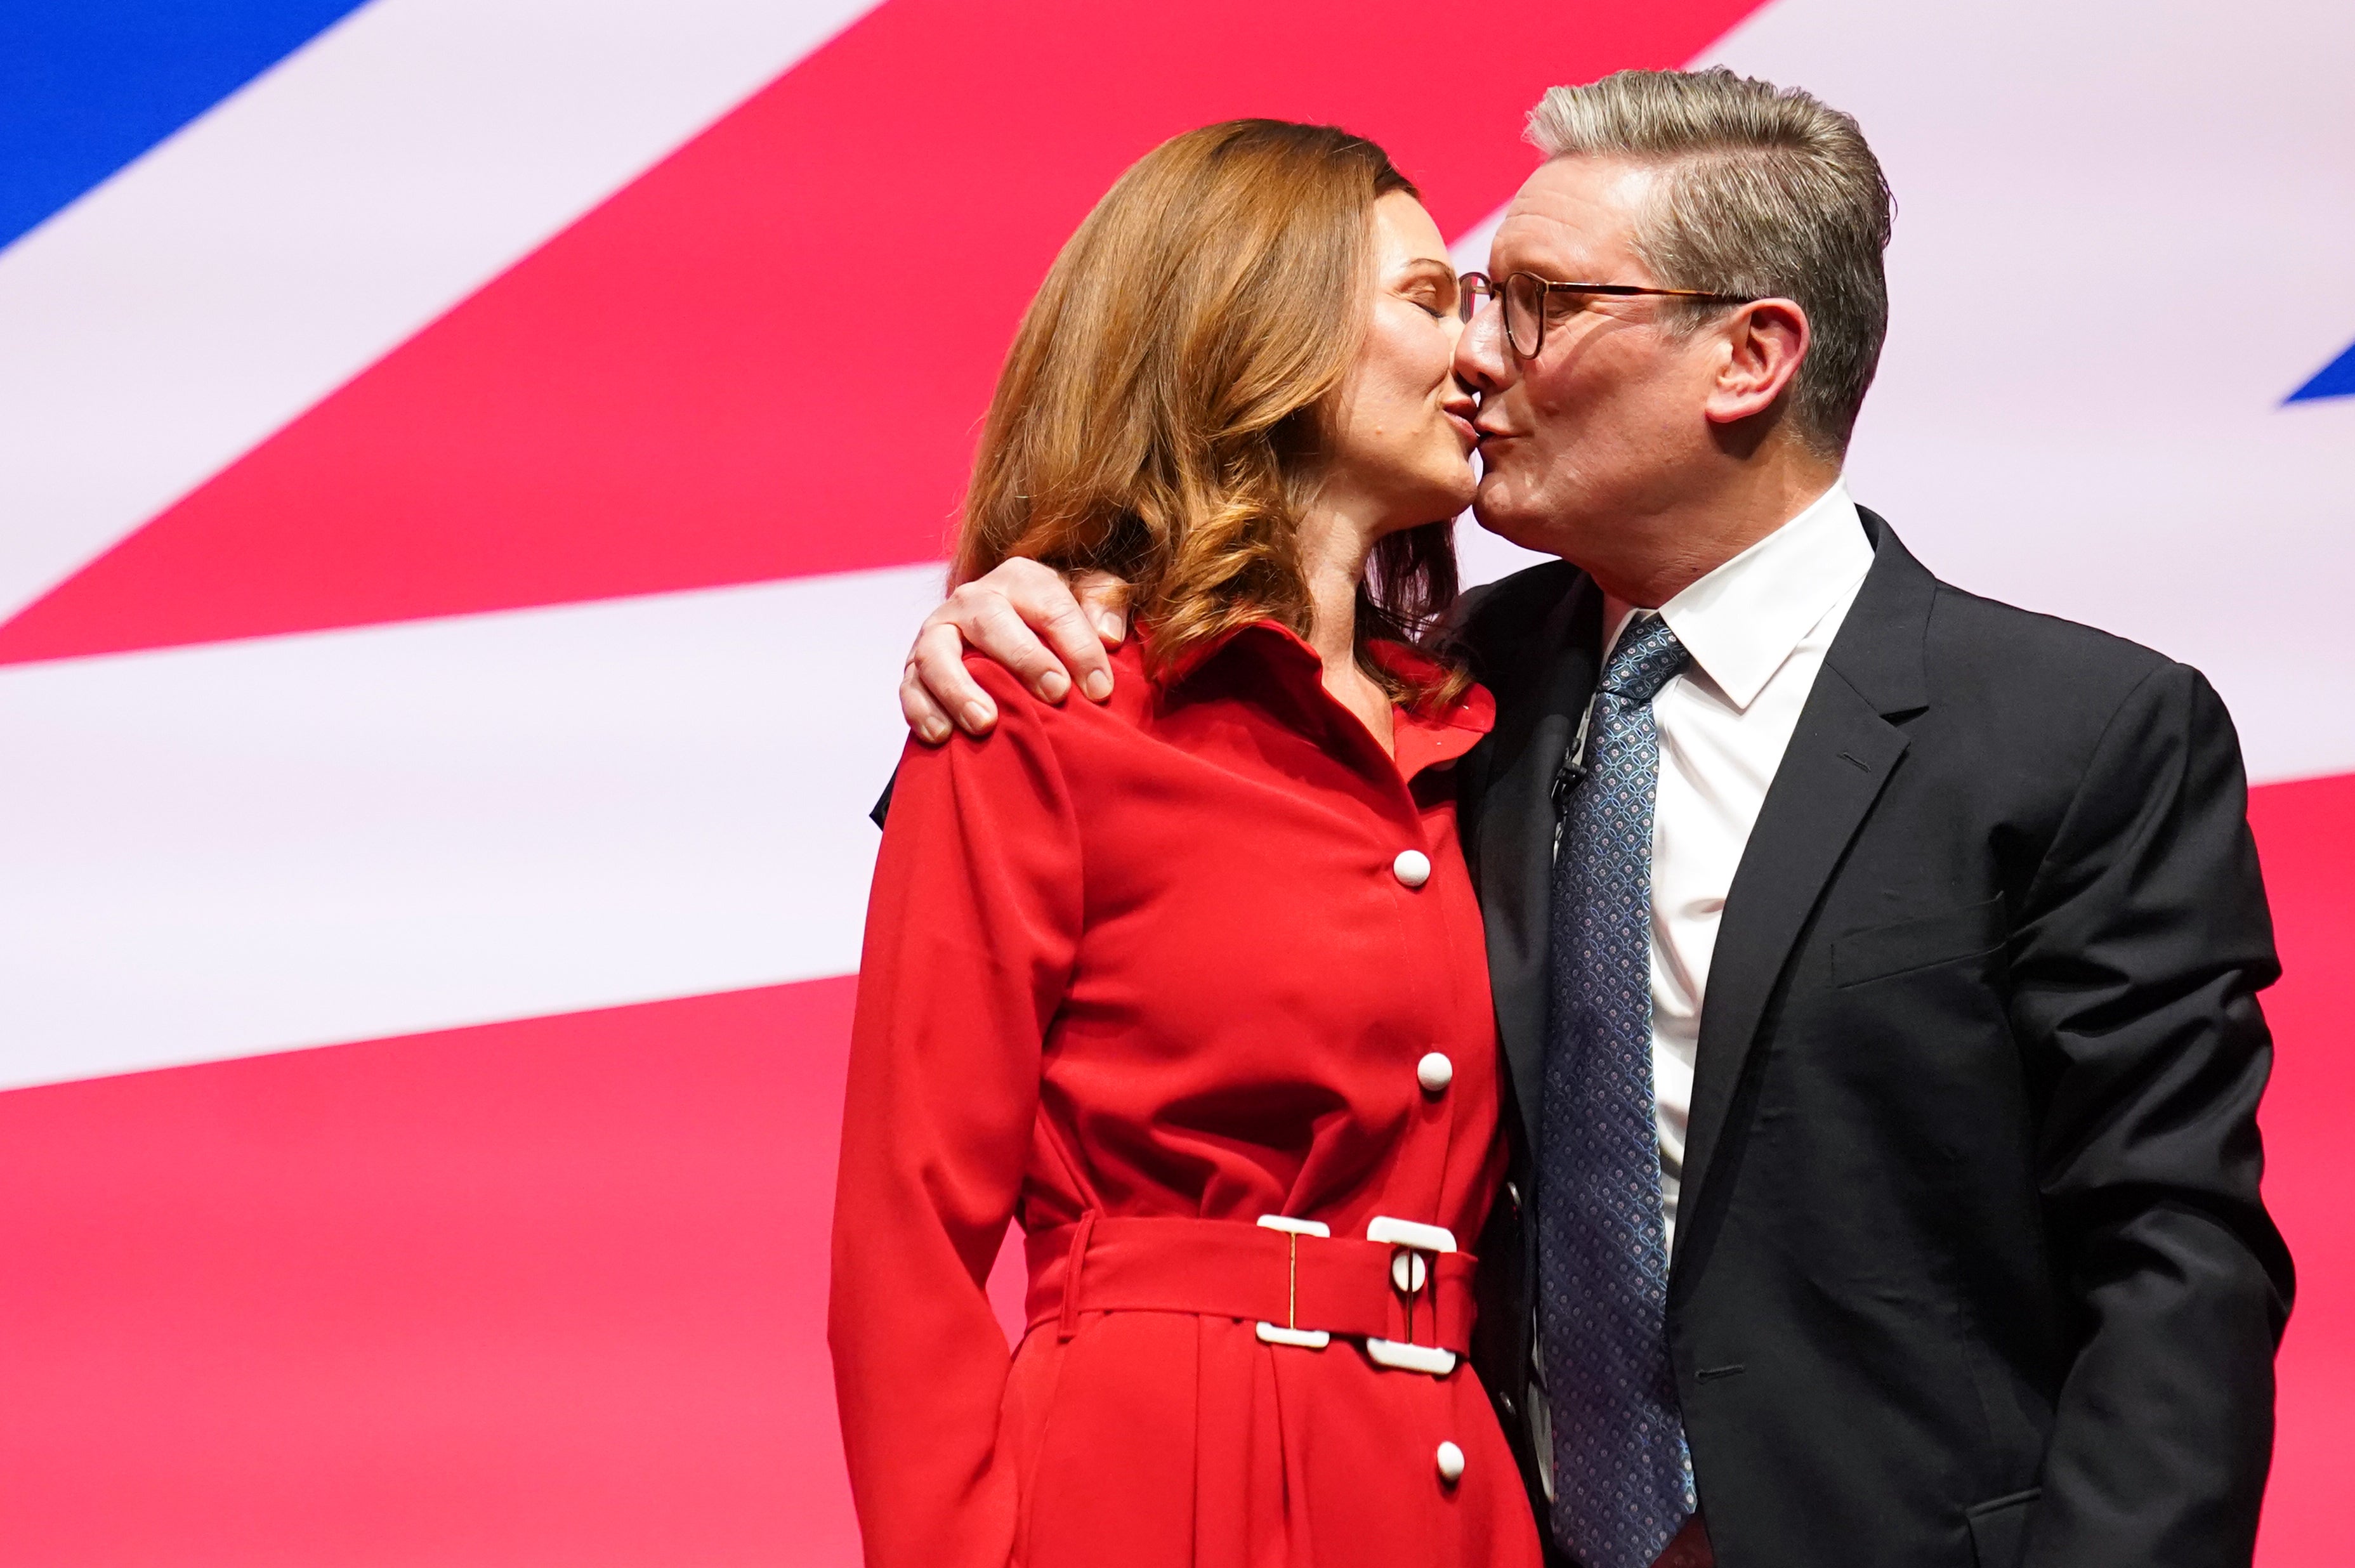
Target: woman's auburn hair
[{"x": 1161, "y": 413}]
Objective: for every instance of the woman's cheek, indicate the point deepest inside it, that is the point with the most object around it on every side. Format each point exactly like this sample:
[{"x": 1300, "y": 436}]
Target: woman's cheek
[{"x": 1440, "y": 350}]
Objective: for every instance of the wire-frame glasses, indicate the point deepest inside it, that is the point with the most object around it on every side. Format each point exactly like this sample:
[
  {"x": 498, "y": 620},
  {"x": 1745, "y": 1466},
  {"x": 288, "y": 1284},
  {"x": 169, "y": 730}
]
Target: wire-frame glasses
[{"x": 1524, "y": 296}]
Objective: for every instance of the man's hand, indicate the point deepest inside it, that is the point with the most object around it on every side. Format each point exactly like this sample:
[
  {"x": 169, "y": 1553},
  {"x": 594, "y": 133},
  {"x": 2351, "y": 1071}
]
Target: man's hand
[{"x": 1025, "y": 617}]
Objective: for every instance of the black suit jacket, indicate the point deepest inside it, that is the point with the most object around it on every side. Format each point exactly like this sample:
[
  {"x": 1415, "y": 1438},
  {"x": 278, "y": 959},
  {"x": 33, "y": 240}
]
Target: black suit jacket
[{"x": 1971, "y": 1267}]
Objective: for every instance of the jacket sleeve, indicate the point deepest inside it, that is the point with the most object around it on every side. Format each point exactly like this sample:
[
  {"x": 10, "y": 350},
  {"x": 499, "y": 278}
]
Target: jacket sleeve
[
  {"x": 2145, "y": 940},
  {"x": 971, "y": 933}
]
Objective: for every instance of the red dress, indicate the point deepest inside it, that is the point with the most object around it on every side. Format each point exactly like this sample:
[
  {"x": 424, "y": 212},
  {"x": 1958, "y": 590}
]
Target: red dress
[{"x": 1196, "y": 954}]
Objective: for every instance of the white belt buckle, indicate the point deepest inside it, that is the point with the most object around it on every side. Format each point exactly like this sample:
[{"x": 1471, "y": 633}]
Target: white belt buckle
[
  {"x": 1410, "y": 1273},
  {"x": 1287, "y": 1333}
]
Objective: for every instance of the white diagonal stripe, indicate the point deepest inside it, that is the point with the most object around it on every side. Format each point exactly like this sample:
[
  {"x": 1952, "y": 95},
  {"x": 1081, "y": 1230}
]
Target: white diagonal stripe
[{"x": 246, "y": 847}]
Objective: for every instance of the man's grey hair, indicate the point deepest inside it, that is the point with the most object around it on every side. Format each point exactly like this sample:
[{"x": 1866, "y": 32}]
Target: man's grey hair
[{"x": 1766, "y": 191}]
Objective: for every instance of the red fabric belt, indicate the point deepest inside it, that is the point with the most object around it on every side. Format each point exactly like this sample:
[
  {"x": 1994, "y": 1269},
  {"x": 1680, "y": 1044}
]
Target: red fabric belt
[{"x": 1226, "y": 1268}]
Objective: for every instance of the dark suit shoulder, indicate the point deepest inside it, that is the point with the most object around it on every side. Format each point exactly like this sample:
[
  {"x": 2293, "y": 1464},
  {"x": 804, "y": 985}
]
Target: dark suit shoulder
[
  {"x": 1502, "y": 629},
  {"x": 2048, "y": 673},
  {"x": 2034, "y": 723},
  {"x": 2033, "y": 637}
]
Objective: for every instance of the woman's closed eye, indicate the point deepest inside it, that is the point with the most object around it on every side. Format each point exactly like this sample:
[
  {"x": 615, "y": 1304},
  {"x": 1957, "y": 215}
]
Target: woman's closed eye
[{"x": 1431, "y": 287}]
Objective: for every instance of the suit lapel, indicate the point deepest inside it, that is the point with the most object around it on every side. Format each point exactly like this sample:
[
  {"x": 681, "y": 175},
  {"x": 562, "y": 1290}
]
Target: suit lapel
[
  {"x": 1840, "y": 757},
  {"x": 1513, "y": 843}
]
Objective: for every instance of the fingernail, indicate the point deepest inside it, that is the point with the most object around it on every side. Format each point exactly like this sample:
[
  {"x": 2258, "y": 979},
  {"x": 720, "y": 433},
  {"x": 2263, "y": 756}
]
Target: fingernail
[
  {"x": 977, "y": 716},
  {"x": 1111, "y": 627},
  {"x": 933, "y": 730},
  {"x": 1053, "y": 684},
  {"x": 1098, "y": 686}
]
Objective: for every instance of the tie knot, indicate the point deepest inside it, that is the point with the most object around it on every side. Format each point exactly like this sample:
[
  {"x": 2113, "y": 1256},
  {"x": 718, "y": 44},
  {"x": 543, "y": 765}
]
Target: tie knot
[{"x": 1648, "y": 659}]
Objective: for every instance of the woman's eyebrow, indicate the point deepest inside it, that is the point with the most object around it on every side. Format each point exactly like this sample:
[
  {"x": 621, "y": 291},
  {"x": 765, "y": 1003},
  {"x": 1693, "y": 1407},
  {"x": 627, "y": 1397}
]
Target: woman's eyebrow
[
  {"x": 1433, "y": 274},
  {"x": 1428, "y": 269}
]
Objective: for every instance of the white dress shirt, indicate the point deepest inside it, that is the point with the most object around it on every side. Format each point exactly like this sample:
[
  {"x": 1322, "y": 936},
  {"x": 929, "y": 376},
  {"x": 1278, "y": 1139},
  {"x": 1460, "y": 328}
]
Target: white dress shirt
[{"x": 1757, "y": 628}]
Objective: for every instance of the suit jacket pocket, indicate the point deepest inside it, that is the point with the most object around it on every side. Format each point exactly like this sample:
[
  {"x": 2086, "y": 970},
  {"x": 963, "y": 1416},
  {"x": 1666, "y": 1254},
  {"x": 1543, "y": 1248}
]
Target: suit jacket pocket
[
  {"x": 1882, "y": 950},
  {"x": 1999, "y": 1528}
]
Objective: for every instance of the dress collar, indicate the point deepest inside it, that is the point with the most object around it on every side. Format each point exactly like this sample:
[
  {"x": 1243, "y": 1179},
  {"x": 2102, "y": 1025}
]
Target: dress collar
[{"x": 1423, "y": 735}]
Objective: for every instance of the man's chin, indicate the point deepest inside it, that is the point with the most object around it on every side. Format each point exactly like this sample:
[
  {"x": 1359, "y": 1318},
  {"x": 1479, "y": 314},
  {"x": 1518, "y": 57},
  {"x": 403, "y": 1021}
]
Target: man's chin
[{"x": 1494, "y": 508}]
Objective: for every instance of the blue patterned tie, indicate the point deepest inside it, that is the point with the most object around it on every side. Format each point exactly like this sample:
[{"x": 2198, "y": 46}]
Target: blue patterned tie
[{"x": 1622, "y": 1481}]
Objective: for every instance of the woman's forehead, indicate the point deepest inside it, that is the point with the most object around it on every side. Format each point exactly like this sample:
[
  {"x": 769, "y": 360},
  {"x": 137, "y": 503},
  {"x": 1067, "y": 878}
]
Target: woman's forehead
[{"x": 1405, "y": 231}]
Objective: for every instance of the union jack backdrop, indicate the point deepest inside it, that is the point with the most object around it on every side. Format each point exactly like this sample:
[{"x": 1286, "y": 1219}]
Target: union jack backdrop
[{"x": 469, "y": 469}]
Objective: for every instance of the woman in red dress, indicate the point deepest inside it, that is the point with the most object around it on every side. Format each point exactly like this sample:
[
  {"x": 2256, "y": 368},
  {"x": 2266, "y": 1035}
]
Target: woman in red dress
[{"x": 1191, "y": 984}]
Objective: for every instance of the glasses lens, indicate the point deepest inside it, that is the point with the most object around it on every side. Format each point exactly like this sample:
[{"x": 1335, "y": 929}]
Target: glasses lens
[{"x": 1525, "y": 295}]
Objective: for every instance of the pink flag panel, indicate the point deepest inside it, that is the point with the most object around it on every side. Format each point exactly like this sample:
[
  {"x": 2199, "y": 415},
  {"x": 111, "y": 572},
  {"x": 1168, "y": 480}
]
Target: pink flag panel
[
  {"x": 2306, "y": 832},
  {"x": 547, "y": 1293}
]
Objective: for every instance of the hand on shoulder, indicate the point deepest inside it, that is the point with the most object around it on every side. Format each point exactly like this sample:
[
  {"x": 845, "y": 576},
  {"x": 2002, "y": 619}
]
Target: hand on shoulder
[{"x": 1022, "y": 620}]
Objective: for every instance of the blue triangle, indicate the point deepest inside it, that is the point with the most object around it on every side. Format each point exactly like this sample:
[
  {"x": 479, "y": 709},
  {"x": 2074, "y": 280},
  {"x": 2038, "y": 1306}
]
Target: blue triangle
[
  {"x": 2336, "y": 380},
  {"x": 88, "y": 85}
]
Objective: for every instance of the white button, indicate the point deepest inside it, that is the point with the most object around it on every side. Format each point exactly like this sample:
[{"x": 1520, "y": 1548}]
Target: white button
[
  {"x": 1434, "y": 1073},
  {"x": 1408, "y": 1272},
  {"x": 1451, "y": 1463},
  {"x": 1413, "y": 867}
]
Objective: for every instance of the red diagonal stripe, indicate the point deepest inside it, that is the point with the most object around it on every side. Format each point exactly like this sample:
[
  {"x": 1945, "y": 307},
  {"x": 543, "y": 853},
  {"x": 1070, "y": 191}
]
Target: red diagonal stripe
[
  {"x": 765, "y": 358},
  {"x": 2306, "y": 834},
  {"x": 541, "y": 1293}
]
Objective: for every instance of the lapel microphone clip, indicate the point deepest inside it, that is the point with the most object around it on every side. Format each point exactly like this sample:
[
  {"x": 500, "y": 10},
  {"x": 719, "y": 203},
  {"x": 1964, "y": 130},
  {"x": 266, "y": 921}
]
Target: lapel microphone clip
[{"x": 1572, "y": 771}]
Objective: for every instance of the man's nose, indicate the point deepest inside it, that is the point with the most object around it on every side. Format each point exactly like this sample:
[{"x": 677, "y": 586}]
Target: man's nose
[{"x": 1483, "y": 359}]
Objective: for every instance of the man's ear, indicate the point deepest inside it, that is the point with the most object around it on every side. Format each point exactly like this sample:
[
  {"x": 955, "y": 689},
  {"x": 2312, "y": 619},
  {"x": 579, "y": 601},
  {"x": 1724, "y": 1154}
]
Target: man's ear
[{"x": 1763, "y": 343}]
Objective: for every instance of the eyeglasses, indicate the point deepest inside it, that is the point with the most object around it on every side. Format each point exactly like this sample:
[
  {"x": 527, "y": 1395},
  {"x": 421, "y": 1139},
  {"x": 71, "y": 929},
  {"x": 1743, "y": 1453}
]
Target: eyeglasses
[{"x": 1525, "y": 295}]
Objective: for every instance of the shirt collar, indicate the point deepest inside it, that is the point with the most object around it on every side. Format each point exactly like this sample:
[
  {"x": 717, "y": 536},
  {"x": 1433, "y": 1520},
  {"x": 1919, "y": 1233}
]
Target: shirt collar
[{"x": 1744, "y": 619}]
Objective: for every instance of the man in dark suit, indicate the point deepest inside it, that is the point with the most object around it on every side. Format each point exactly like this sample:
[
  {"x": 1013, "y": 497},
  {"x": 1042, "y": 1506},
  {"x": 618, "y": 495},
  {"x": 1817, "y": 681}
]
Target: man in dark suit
[{"x": 1876, "y": 965}]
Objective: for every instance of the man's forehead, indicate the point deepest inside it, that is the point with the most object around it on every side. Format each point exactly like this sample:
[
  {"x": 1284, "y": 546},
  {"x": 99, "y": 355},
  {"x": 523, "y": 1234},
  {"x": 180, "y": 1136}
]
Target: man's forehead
[{"x": 1577, "y": 213}]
